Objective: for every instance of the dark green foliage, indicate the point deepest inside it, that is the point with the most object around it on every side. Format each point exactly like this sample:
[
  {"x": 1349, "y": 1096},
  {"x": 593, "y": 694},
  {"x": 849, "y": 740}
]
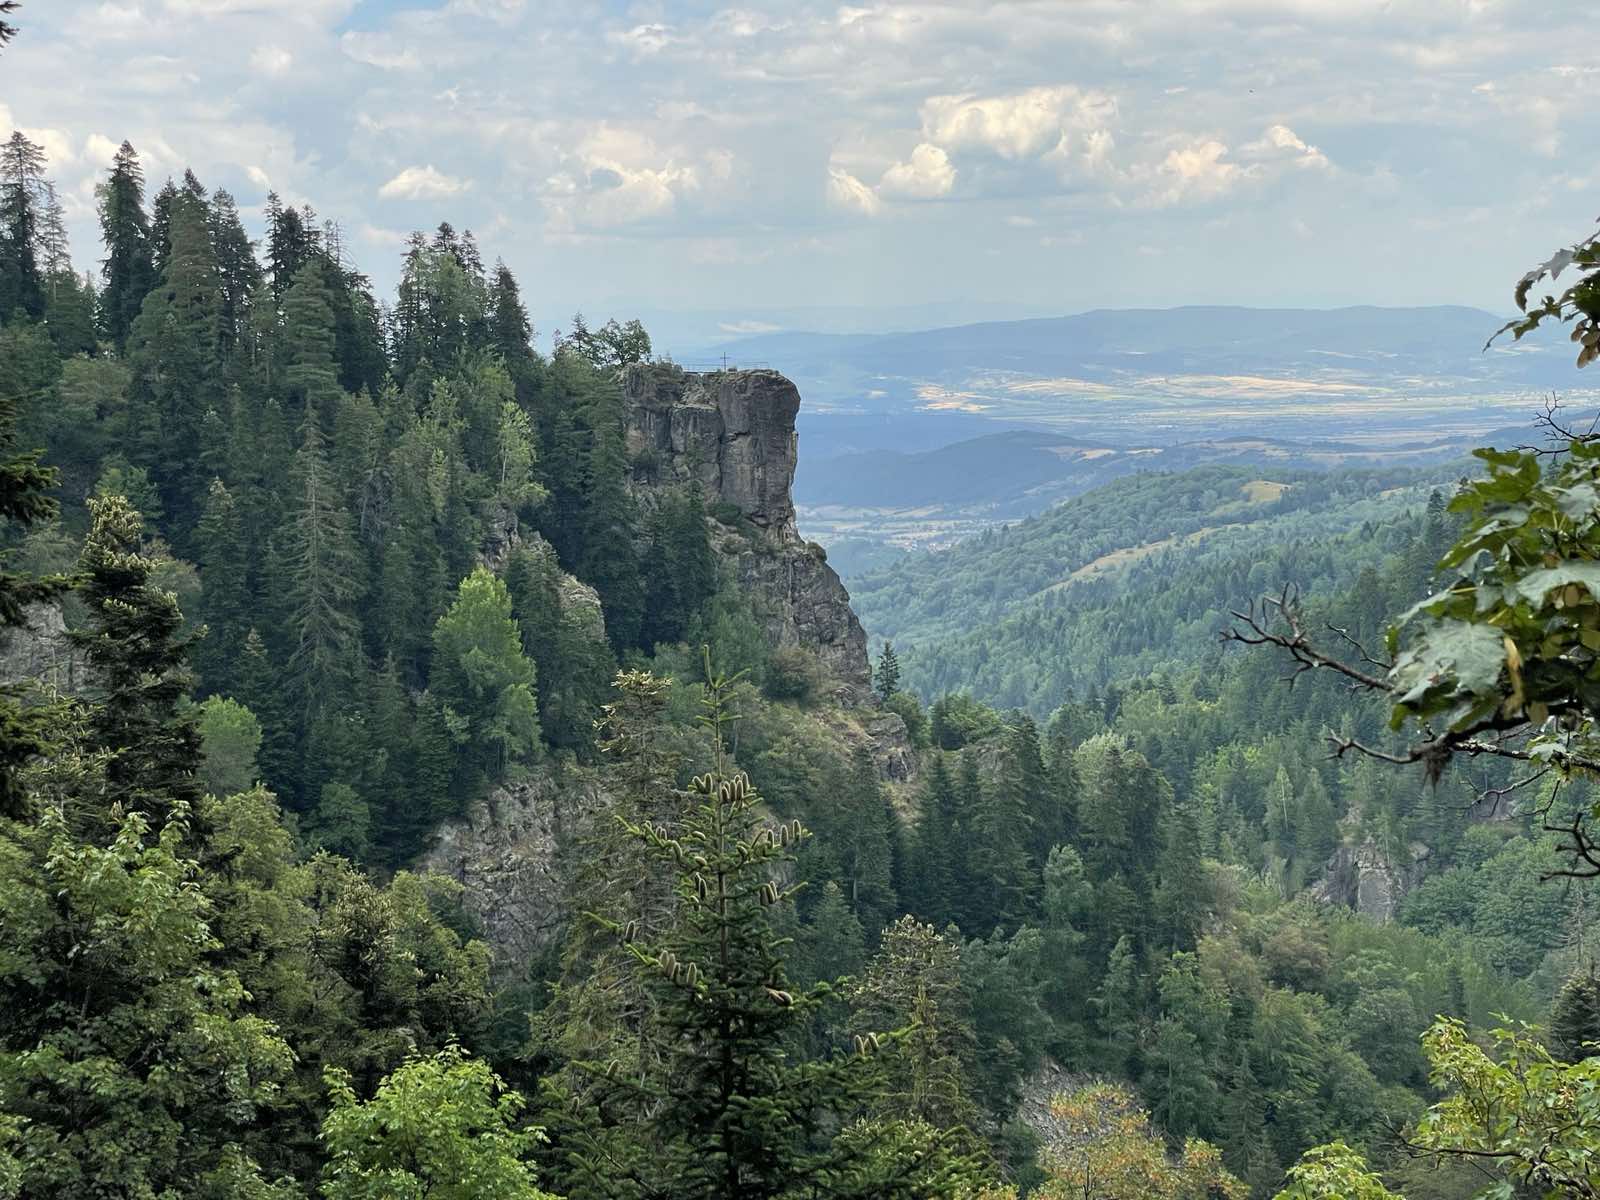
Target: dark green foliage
[
  {"x": 886, "y": 680},
  {"x": 175, "y": 353},
  {"x": 128, "y": 269},
  {"x": 723, "y": 1110},
  {"x": 22, "y": 273},
  {"x": 139, "y": 659},
  {"x": 24, "y": 503},
  {"x": 1575, "y": 1018}
]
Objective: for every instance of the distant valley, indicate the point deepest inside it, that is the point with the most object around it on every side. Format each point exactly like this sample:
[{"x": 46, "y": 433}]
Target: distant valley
[{"x": 915, "y": 440}]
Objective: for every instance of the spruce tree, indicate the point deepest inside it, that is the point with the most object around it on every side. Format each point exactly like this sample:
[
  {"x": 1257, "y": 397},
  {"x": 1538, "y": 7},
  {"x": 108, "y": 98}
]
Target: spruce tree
[
  {"x": 887, "y": 680},
  {"x": 941, "y": 865},
  {"x": 138, "y": 662},
  {"x": 128, "y": 268},
  {"x": 22, "y": 214},
  {"x": 238, "y": 272},
  {"x": 309, "y": 373},
  {"x": 725, "y": 1113},
  {"x": 176, "y": 356},
  {"x": 225, "y": 607},
  {"x": 322, "y": 581},
  {"x": 1575, "y": 1017}
]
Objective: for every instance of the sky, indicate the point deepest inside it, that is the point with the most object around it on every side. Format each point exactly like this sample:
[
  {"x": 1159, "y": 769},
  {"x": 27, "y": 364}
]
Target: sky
[{"x": 785, "y": 164}]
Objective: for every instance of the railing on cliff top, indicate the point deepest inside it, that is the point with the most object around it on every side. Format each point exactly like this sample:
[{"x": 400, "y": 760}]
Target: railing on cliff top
[{"x": 720, "y": 364}]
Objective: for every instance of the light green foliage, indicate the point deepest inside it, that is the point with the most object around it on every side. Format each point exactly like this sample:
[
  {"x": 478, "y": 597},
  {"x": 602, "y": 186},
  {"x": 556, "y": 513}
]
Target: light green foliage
[
  {"x": 230, "y": 737},
  {"x": 1334, "y": 1172},
  {"x": 481, "y": 674},
  {"x": 1519, "y": 1114},
  {"x": 106, "y": 967},
  {"x": 914, "y": 982},
  {"x": 441, "y": 1127}
]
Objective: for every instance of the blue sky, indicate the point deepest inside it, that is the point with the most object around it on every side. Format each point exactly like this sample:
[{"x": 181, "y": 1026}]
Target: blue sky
[{"x": 760, "y": 159}]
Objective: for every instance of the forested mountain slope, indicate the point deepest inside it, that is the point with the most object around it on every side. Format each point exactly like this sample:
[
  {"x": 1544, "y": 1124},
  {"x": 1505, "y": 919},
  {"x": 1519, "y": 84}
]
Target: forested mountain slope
[
  {"x": 441, "y": 753},
  {"x": 1137, "y": 574}
]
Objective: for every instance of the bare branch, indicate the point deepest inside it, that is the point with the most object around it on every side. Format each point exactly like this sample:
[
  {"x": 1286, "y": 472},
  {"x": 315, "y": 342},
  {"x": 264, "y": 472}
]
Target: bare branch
[{"x": 1256, "y": 628}]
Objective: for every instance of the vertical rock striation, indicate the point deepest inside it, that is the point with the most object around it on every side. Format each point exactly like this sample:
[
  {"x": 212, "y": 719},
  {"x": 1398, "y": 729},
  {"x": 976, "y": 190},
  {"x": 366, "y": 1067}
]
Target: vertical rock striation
[{"x": 733, "y": 433}]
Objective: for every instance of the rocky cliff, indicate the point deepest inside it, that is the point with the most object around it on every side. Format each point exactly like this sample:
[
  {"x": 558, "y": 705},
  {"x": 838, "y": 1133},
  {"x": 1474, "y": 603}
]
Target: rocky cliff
[
  {"x": 733, "y": 432},
  {"x": 1363, "y": 877}
]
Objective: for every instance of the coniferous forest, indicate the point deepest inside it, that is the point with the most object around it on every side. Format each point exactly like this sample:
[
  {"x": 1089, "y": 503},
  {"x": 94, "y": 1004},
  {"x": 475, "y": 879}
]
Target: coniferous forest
[{"x": 413, "y": 785}]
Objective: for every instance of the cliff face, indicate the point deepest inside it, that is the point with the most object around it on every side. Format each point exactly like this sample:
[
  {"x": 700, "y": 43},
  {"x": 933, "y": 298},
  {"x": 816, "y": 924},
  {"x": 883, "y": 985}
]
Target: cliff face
[
  {"x": 733, "y": 433},
  {"x": 1366, "y": 879}
]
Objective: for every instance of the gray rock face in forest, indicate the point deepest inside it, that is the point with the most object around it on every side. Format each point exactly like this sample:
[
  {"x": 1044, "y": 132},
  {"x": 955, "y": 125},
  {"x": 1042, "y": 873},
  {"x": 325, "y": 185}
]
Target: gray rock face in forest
[
  {"x": 1366, "y": 879},
  {"x": 733, "y": 432},
  {"x": 508, "y": 853}
]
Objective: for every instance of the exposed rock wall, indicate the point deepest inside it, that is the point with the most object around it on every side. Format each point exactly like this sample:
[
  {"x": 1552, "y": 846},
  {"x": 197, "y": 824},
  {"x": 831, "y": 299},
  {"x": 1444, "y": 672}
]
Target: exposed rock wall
[
  {"x": 1364, "y": 878},
  {"x": 510, "y": 853},
  {"x": 734, "y": 433},
  {"x": 41, "y": 651}
]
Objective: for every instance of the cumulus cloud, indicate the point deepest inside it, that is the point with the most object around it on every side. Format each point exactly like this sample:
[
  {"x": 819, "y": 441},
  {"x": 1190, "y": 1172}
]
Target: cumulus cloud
[
  {"x": 927, "y": 176},
  {"x": 849, "y": 194},
  {"x": 1281, "y": 142},
  {"x": 713, "y": 134},
  {"x": 1196, "y": 172},
  {"x": 1015, "y": 126},
  {"x": 418, "y": 183},
  {"x": 619, "y": 176}
]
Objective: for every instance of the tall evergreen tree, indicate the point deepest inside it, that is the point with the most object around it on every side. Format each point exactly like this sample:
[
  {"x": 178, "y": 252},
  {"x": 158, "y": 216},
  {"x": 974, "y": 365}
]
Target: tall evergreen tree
[
  {"x": 128, "y": 268},
  {"x": 176, "y": 355},
  {"x": 238, "y": 273},
  {"x": 225, "y": 607},
  {"x": 1575, "y": 1017},
  {"x": 138, "y": 659},
  {"x": 887, "y": 679},
  {"x": 23, "y": 260},
  {"x": 322, "y": 583}
]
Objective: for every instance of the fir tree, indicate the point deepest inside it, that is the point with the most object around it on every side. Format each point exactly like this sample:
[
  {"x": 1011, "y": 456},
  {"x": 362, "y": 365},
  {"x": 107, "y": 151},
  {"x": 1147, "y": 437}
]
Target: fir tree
[
  {"x": 1575, "y": 1017},
  {"x": 225, "y": 607},
  {"x": 176, "y": 356},
  {"x": 887, "y": 679},
  {"x": 22, "y": 196},
  {"x": 322, "y": 581},
  {"x": 238, "y": 272},
  {"x": 139, "y": 664},
  {"x": 128, "y": 268},
  {"x": 309, "y": 374}
]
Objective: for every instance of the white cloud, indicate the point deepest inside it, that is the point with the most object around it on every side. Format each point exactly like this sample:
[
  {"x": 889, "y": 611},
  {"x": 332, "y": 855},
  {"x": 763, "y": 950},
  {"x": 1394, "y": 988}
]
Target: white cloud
[
  {"x": 847, "y": 192},
  {"x": 270, "y": 60},
  {"x": 1016, "y": 126},
  {"x": 618, "y": 176},
  {"x": 927, "y": 176},
  {"x": 1198, "y": 171},
  {"x": 378, "y": 50},
  {"x": 1279, "y": 141},
  {"x": 746, "y": 328},
  {"x": 415, "y": 183},
  {"x": 642, "y": 40}
]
